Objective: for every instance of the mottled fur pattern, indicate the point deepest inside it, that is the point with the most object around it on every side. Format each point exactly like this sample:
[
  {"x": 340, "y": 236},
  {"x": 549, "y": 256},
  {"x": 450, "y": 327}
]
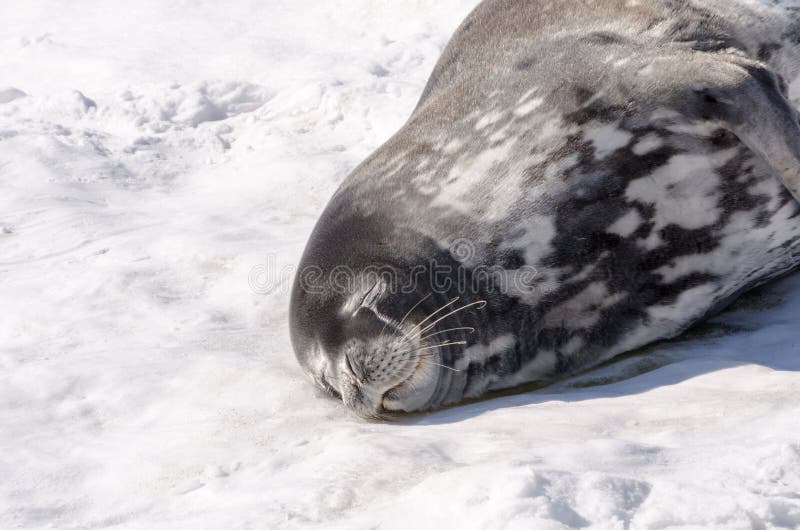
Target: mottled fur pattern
[{"x": 639, "y": 155}]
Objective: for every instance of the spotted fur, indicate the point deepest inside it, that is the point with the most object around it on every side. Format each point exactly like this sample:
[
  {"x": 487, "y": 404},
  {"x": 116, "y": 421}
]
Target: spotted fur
[{"x": 641, "y": 156}]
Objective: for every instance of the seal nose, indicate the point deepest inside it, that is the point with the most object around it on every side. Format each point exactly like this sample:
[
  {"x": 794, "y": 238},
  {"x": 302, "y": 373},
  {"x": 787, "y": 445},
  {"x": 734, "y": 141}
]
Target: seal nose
[
  {"x": 360, "y": 401},
  {"x": 379, "y": 366}
]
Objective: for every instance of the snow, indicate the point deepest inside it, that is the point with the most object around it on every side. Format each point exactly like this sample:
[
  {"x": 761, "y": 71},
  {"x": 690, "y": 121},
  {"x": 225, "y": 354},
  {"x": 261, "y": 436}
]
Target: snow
[{"x": 161, "y": 166}]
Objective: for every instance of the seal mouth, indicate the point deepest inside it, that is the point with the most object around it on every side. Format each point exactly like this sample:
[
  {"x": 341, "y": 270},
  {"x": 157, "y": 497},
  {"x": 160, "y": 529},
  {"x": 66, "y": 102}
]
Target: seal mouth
[
  {"x": 407, "y": 370},
  {"x": 415, "y": 392},
  {"x": 407, "y": 394},
  {"x": 429, "y": 383},
  {"x": 395, "y": 393}
]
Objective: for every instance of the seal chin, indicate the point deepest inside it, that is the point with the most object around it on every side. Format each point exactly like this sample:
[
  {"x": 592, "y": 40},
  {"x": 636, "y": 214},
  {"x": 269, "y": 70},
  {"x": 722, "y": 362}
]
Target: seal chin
[
  {"x": 376, "y": 364},
  {"x": 414, "y": 393}
]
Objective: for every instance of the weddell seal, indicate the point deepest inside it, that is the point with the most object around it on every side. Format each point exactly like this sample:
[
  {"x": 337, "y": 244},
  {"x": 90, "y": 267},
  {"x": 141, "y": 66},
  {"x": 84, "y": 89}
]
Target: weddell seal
[{"x": 578, "y": 179}]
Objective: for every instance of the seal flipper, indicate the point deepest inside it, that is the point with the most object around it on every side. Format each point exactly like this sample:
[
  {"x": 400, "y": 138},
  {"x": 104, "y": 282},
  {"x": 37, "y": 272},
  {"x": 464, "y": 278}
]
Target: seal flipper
[
  {"x": 744, "y": 97},
  {"x": 760, "y": 116}
]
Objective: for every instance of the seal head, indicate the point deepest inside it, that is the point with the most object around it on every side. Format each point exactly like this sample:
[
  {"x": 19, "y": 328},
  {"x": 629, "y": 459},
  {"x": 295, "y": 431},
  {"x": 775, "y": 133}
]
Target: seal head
[{"x": 366, "y": 324}]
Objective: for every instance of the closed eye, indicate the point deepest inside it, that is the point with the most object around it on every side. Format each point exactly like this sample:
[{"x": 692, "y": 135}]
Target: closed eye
[
  {"x": 348, "y": 365},
  {"x": 329, "y": 389},
  {"x": 351, "y": 369}
]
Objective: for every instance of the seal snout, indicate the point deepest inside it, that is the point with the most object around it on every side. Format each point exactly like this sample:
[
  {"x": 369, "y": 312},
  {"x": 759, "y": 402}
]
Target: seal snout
[
  {"x": 379, "y": 363},
  {"x": 388, "y": 373}
]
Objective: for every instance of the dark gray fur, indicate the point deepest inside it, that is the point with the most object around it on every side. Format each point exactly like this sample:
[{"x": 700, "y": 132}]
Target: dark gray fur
[{"x": 583, "y": 188}]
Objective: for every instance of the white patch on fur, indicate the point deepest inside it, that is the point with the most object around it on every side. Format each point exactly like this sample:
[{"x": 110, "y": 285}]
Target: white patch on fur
[
  {"x": 488, "y": 119},
  {"x": 667, "y": 320},
  {"x": 647, "y": 144},
  {"x": 587, "y": 269},
  {"x": 500, "y": 135},
  {"x": 741, "y": 249},
  {"x": 582, "y": 310},
  {"x": 607, "y": 138},
  {"x": 559, "y": 167},
  {"x": 703, "y": 129},
  {"x": 627, "y": 224},
  {"x": 554, "y": 129},
  {"x": 552, "y": 134},
  {"x": 467, "y": 174},
  {"x": 770, "y": 187},
  {"x": 541, "y": 367},
  {"x": 573, "y": 346},
  {"x": 684, "y": 191},
  {"x": 526, "y": 95},
  {"x": 472, "y": 167},
  {"x": 664, "y": 113},
  {"x": 645, "y": 71},
  {"x": 395, "y": 165},
  {"x": 534, "y": 239},
  {"x": 652, "y": 241},
  {"x": 689, "y": 305},
  {"x": 714, "y": 262},
  {"x": 481, "y": 352},
  {"x": 424, "y": 179},
  {"x": 527, "y": 108},
  {"x": 453, "y": 146}
]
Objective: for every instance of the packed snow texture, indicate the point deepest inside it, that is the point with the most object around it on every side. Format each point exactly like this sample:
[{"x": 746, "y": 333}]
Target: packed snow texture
[{"x": 161, "y": 166}]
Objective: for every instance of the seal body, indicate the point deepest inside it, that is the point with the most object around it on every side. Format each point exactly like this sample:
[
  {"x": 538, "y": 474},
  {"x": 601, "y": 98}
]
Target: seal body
[{"x": 579, "y": 178}]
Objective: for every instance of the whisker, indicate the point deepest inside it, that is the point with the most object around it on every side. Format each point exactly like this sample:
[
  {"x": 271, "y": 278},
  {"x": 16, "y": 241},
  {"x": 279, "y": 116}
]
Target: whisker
[
  {"x": 432, "y": 346},
  {"x": 451, "y": 302},
  {"x": 482, "y": 303},
  {"x": 426, "y": 355},
  {"x": 467, "y": 329},
  {"x": 413, "y": 308},
  {"x": 417, "y": 350},
  {"x": 406, "y": 315},
  {"x": 443, "y": 366}
]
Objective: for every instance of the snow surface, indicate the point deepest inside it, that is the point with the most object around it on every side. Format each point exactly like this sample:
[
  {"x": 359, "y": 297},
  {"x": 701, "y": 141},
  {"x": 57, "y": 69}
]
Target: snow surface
[{"x": 161, "y": 166}]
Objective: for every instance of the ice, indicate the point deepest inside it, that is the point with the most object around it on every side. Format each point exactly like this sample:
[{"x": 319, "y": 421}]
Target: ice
[{"x": 156, "y": 159}]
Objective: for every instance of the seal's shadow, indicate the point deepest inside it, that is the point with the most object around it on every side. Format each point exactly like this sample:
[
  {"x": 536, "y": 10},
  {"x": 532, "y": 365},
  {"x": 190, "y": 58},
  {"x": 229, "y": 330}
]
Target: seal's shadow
[{"x": 761, "y": 327}]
